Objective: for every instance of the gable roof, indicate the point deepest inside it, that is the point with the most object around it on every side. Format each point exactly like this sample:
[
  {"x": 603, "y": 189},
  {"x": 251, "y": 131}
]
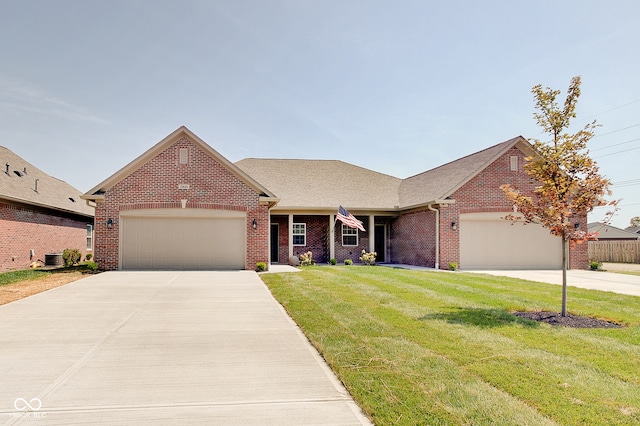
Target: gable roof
[
  {"x": 323, "y": 184},
  {"x": 96, "y": 193},
  {"x": 326, "y": 184},
  {"x": 611, "y": 232},
  {"x": 441, "y": 182},
  {"x": 18, "y": 185},
  {"x": 633, "y": 229}
]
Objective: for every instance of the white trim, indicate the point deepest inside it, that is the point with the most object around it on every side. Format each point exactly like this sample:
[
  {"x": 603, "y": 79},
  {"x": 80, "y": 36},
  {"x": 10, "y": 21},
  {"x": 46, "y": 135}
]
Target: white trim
[
  {"x": 345, "y": 227},
  {"x": 293, "y": 229}
]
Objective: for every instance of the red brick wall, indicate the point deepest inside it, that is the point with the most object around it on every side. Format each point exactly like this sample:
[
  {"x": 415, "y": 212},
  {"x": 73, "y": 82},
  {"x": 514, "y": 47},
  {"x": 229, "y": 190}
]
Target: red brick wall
[
  {"x": 155, "y": 185},
  {"x": 483, "y": 194},
  {"x": 352, "y": 252},
  {"x": 413, "y": 239},
  {"x": 24, "y": 229}
]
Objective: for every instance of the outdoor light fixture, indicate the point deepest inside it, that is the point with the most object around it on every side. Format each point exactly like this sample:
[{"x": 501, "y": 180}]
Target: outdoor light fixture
[
  {"x": 254, "y": 224},
  {"x": 454, "y": 225},
  {"x": 109, "y": 223},
  {"x": 577, "y": 226}
]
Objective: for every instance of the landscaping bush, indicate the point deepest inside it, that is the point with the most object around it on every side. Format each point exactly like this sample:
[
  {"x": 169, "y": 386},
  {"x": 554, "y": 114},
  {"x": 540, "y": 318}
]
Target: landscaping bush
[
  {"x": 595, "y": 265},
  {"x": 348, "y": 262},
  {"x": 453, "y": 266},
  {"x": 71, "y": 256},
  {"x": 261, "y": 266},
  {"x": 333, "y": 261},
  {"x": 306, "y": 259},
  {"x": 368, "y": 259},
  {"x": 92, "y": 265},
  {"x": 88, "y": 257}
]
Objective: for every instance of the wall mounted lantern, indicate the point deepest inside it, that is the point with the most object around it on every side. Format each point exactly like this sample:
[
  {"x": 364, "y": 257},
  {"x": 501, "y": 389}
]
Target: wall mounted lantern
[
  {"x": 109, "y": 223},
  {"x": 454, "y": 225},
  {"x": 254, "y": 224},
  {"x": 577, "y": 226}
]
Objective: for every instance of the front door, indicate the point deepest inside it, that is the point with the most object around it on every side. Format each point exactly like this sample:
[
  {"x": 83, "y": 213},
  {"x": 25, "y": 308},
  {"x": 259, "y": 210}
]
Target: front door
[
  {"x": 275, "y": 230},
  {"x": 380, "y": 242}
]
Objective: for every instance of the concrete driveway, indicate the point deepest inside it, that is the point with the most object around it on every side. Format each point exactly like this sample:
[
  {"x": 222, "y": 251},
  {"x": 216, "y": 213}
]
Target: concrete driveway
[
  {"x": 163, "y": 348},
  {"x": 593, "y": 280}
]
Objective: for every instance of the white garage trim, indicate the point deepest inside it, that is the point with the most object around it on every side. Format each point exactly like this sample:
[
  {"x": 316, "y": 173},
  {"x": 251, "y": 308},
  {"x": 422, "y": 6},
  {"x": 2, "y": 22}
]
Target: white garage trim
[
  {"x": 489, "y": 242},
  {"x": 183, "y": 239}
]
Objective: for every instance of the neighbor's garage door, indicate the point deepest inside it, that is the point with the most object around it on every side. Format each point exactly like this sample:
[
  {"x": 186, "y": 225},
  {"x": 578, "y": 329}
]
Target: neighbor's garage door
[
  {"x": 183, "y": 239},
  {"x": 489, "y": 242}
]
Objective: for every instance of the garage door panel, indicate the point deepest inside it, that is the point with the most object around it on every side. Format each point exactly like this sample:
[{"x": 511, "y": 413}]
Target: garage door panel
[
  {"x": 489, "y": 242},
  {"x": 182, "y": 243}
]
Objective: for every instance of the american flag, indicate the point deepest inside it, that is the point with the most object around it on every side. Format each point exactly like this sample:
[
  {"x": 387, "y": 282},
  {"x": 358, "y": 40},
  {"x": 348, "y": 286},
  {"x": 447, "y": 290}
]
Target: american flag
[{"x": 348, "y": 219}]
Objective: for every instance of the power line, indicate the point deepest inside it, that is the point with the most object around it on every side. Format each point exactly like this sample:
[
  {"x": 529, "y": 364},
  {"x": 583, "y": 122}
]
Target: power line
[
  {"x": 626, "y": 183},
  {"x": 616, "y": 144},
  {"x": 618, "y": 152},
  {"x": 615, "y": 131},
  {"x": 615, "y": 108}
]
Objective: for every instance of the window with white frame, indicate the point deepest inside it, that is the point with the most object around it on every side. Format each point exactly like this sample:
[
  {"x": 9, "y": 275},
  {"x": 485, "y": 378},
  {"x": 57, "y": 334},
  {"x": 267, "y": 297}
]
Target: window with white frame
[
  {"x": 299, "y": 234},
  {"x": 89, "y": 237},
  {"x": 349, "y": 236}
]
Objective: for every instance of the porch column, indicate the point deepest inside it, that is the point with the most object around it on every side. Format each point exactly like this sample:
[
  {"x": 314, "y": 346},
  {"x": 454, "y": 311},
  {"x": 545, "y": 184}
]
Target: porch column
[
  {"x": 290, "y": 237},
  {"x": 332, "y": 237},
  {"x": 372, "y": 234}
]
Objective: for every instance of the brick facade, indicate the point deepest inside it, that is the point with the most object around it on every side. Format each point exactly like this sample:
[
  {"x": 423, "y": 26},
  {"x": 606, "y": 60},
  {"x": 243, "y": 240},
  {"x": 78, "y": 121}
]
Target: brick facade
[
  {"x": 158, "y": 184},
  {"x": 413, "y": 239},
  {"x": 27, "y": 228}
]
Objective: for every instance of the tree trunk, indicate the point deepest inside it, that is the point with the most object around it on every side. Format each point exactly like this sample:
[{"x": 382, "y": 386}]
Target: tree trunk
[{"x": 564, "y": 276}]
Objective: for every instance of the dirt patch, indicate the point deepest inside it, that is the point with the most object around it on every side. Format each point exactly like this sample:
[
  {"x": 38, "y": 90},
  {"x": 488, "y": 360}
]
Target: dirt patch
[
  {"x": 21, "y": 289},
  {"x": 575, "y": 321}
]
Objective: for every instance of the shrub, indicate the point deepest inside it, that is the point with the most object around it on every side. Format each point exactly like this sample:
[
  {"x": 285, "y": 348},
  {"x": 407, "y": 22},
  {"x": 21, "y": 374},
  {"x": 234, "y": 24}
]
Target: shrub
[
  {"x": 92, "y": 265},
  {"x": 71, "y": 256},
  {"x": 453, "y": 266},
  {"x": 368, "y": 259},
  {"x": 333, "y": 261},
  {"x": 88, "y": 257},
  {"x": 261, "y": 266},
  {"x": 306, "y": 259},
  {"x": 348, "y": 262},
  {"x": 595, "y": 265}
]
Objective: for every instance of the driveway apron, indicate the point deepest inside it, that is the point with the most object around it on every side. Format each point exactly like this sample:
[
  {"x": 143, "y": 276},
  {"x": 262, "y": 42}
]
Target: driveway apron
[{"x": 163, "y": 348}]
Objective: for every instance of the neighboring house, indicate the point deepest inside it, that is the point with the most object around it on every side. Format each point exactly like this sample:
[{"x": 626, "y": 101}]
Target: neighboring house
[
  {"x": 633, "y": 229},
  {"x": 609, "y": 233},
  {"x": 181, "y": 205},
  {"x": 39, "y": 214}
]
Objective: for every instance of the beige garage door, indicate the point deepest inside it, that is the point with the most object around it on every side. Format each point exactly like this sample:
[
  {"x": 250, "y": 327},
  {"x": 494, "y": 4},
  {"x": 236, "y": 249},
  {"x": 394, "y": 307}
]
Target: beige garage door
[
  {"x": 183, "y": 239},
  {"x": 489, "y": 242}
]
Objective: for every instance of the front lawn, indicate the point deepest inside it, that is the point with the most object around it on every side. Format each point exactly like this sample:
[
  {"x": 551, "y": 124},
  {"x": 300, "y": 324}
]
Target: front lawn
[{"x": 442, "y": 348}]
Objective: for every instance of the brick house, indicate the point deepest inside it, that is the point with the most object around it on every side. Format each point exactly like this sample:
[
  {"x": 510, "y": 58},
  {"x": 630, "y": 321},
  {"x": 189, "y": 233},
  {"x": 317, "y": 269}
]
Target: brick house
[
  {"x": 39, "y": 214},
  {"x": 181, "y": 205}
]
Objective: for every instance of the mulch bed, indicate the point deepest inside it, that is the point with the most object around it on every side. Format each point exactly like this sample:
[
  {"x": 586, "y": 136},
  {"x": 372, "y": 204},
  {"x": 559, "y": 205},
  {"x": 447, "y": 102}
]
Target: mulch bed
[{"x": 575, "y": 321}]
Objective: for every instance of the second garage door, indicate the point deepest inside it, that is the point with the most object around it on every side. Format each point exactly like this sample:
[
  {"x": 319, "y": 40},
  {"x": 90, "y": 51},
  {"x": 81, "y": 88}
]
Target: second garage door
[
  {"x": 489, "y": 242},
  {"x": 182, "y": 239}
]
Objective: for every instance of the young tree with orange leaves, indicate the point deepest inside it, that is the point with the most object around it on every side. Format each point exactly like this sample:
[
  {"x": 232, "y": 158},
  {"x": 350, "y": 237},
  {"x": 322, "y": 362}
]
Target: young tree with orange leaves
[{"x": 568, "y": 183}]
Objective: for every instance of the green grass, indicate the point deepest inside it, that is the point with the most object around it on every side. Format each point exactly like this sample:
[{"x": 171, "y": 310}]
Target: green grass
[
  {"x": 11, "y": 277},
  {"x": 442, "y": 348}
]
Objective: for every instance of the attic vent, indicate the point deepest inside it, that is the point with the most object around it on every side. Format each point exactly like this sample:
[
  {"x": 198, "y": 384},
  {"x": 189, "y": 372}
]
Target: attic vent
[
  {"x": 184, "y": 155},
  {"x": 72, "y": 200},
  {"x": 18, "y": 172},
  {"x": 513, "y": 163}
]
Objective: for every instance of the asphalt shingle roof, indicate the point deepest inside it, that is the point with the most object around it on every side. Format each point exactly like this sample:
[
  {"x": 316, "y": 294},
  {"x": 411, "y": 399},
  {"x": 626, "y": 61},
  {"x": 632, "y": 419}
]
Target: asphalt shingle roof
[
  {"x": 326, "y": 184},
  {"x": 323, "y": 184},
  {"x": 19, "y": 185}
]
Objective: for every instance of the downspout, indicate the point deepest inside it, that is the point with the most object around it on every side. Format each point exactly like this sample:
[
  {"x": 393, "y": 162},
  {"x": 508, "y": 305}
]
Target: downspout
[{"x": 430, "y": 207}]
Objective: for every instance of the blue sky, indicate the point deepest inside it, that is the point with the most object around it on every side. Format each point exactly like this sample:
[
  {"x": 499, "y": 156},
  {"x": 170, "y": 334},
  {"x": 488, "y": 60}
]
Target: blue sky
[{"x": 395, "y": 86}]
